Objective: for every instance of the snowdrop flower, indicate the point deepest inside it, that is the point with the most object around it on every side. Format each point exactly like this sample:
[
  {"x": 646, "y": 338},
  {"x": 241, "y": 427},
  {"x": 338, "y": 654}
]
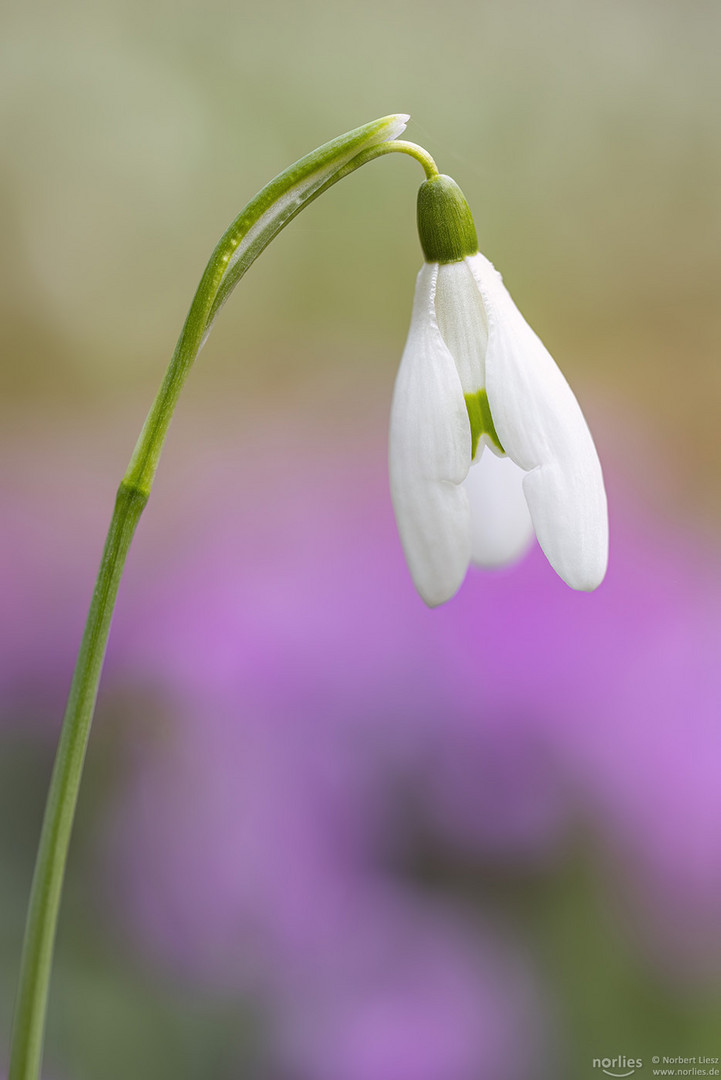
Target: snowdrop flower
[{"x": 487, "y": 441}]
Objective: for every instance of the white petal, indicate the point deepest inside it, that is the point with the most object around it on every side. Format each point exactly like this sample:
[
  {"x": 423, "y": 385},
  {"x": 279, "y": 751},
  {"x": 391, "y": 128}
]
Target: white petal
[
  {"x": 429, "y": 454},
  {"x": 501, "y": 527},
  {"x": 462, "y": 322},
  {"x": 542, "y": 428}
]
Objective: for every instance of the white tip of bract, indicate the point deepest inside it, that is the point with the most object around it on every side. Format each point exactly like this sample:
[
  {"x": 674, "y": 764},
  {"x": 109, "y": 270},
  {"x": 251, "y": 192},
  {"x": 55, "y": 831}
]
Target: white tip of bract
[
  {"x": 429, "y": 454},
  {"x": 501, "y": 526},
  {"x": 396, "y": 125},
  {"x": 542, "y": 429}
]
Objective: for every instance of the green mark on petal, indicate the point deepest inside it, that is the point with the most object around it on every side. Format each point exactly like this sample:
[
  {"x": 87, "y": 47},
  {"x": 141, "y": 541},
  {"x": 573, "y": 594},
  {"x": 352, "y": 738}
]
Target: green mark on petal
[{"x": 479, "y": 413}]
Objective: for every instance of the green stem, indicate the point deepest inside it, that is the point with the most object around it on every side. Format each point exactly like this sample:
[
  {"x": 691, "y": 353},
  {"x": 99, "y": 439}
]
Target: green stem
[
  {"x": 399, "y": 146},
  {"x": 260, "y": 221},
  {"x": 37, "y": 958}
]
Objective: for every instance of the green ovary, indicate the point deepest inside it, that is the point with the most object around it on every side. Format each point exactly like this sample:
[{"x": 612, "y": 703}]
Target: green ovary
[{"x": 479, "y": 414}]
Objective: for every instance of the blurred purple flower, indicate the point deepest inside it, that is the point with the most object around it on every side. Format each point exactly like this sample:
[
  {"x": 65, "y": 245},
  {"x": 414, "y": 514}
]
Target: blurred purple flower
[
  {"x": 320, "y": 720},
  {"x": 623, "y": 696},
  {"x": 313, "y": 695},
  {"x": 250, "y": 854},
  {"x": 411, "y": 992},
  {"x": 47, "y": 559},
  {"x": 255, "y": 845}
]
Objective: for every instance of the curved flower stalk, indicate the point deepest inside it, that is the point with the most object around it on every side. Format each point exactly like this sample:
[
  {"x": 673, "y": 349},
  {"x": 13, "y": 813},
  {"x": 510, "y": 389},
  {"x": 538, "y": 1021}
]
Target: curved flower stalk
[
  {"x": 250, "y": 233},
  {"x": 240, "y": 245},
  {"x": 487, "y": 441}
]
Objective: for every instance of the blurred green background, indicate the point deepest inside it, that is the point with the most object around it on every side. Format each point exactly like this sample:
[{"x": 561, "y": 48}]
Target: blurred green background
[{"x": 586, "y": 137}]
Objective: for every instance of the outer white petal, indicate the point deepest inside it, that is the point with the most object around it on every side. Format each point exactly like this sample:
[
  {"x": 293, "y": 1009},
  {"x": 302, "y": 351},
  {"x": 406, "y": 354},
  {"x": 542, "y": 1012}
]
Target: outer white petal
[
  {"x": 542, "y": 428},
  {"x": 462, "y": 322},
  {"x": 430, "y": 453},
  {"x": 501, "y": 526}
]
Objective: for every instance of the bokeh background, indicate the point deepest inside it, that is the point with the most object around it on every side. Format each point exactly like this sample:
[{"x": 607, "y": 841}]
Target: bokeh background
[{"x": 326, "y": 834}]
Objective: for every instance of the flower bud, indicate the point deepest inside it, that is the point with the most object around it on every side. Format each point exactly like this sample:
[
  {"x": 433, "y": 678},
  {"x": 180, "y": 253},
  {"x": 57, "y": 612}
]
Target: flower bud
[{"x": 445, "y": 224}]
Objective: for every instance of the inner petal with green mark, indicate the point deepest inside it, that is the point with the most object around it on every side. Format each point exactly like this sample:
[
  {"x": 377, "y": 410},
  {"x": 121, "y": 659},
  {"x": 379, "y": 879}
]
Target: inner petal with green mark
[{"x": 479, "y": 414}]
